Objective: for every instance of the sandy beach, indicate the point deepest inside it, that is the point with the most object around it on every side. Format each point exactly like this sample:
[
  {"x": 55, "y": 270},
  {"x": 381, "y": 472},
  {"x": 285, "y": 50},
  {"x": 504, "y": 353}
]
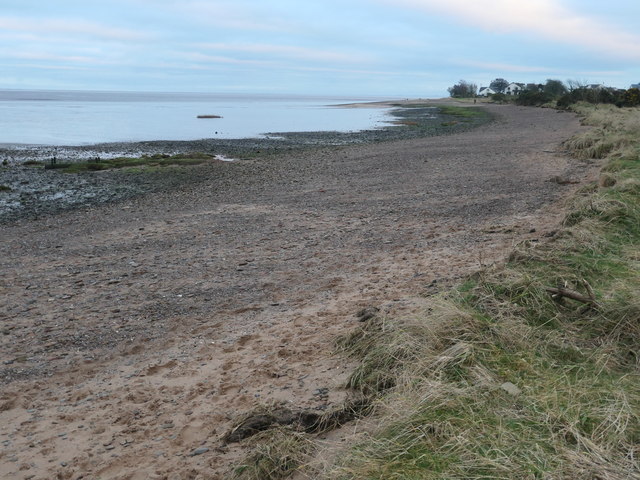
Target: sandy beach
[{"x": 134, "y": 333}]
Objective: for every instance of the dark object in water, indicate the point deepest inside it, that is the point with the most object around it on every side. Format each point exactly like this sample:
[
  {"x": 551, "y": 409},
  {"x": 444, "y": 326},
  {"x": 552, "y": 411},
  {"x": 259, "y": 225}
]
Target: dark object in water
[{"x": 209, "y": 116}]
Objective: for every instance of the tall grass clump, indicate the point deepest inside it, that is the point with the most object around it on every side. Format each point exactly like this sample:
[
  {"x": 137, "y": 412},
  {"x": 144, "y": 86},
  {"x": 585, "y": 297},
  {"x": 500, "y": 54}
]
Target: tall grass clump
[
  {"x": 277, "y": 454},
  {"x": 529, "y": 370}
]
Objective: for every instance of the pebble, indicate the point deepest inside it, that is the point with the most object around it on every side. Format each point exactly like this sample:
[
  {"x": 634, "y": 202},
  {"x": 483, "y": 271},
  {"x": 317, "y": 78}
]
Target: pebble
[
  {"x": 321, "y": 393},
  {"x": 198, "y": 451},
  {"x": 511, "y": 389}
]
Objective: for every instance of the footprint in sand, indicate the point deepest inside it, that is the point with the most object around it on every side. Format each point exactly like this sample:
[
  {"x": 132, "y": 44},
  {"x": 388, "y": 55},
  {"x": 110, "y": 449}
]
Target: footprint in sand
[{"x": 156, "y": 369}]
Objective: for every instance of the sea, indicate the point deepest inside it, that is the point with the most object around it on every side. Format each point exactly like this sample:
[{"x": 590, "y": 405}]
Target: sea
[{"x": 41, "y": 117}]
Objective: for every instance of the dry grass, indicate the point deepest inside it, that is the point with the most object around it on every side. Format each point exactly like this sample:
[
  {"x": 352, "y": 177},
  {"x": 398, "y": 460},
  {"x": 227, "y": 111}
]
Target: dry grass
[
  {"x": 499, "y": 380},
  {"x": 446, "y": 412},
  {"x": 277, "y": 453},
  {"x": 616, "y": 129}
]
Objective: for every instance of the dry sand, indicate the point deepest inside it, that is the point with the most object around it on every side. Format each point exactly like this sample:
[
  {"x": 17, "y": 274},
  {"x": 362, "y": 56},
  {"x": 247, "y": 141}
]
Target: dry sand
[{"x": 134, "y": 333}]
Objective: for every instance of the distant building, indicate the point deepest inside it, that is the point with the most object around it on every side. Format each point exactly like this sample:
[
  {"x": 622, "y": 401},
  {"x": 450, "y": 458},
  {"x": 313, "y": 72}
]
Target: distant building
[
  {"x": 514, "y": 88},
  {"x": 635, "y": 85},
  {"x": 485, "y": 92}
]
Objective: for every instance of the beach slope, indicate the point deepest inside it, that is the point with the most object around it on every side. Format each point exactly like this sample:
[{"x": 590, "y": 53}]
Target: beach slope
[{"x": 134, "y": 333}]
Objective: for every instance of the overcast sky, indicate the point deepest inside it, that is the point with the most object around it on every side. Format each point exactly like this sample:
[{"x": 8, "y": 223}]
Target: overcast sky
[{"x": 347, "y": 47}]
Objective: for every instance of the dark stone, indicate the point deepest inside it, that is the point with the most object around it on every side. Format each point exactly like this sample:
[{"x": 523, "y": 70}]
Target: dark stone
[
  {"x": 367, "y": 313},
  {"x": 198, "y": 451}
]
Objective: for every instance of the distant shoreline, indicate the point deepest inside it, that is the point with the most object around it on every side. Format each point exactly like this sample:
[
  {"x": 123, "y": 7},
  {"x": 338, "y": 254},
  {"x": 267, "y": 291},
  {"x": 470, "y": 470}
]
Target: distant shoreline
[
  {"x": 272, "y": 142},
  {"x": 67, "y": 118},
  {"x": 32, "y": 190}
]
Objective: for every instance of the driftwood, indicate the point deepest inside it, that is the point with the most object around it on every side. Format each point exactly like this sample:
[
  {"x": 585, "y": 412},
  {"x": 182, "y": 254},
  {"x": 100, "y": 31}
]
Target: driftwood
[
  {"x": 589, "y": 300},
  {"x": 302, "y": 420}
]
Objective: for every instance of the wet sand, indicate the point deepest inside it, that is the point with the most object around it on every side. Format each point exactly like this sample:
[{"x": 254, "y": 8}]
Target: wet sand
[{"x": 135, "y": 332}]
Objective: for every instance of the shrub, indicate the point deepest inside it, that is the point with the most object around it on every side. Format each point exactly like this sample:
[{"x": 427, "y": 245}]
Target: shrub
[
  {"x": 531, "y": 98},
  {"x": 554, "y": 88},
  {"x": 631, "y": 97},
  {"x": 590, "y": 95}
]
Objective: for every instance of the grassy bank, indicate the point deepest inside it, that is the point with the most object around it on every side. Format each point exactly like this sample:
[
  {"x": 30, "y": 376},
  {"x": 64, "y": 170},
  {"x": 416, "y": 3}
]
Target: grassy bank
[
  {"x": 528, "y": 370},
  {"x": 144, "y": 161}
]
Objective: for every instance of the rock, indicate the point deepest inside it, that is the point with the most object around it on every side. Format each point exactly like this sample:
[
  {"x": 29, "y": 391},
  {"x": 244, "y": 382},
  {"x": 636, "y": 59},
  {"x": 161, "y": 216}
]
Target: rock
[
  {"x": 511, "y": 389},
  {"x": 198, "y": 451},
  {"x": 606, "y": 181},
  {"x": 562, "y": 180},
  {"x": 367, "y": 313}
]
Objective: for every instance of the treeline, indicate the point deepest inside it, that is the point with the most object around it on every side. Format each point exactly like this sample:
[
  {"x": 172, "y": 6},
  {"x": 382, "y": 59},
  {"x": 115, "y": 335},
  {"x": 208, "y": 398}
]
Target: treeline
[
  {"x": 463, "y": 89},
  {"x": 552, "y": 91}
]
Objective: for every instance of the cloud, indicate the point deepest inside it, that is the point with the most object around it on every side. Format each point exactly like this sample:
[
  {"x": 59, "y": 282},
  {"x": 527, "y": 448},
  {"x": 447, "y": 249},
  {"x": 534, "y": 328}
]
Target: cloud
[
  {"x": 598, "y": 73},
  {"x": 548, "y": 19},
  {"x": 49, "y": 67},
  {"x": 368, "y": 73},
  {"x": 500, "y": 67},
  {"x": 69, "y": 27},
  {"x": 231, "y": 15},
  {"x": 48, "y": 57},
  {"x": 286, "y": 51},
  {"x": 200, "y": 57}
]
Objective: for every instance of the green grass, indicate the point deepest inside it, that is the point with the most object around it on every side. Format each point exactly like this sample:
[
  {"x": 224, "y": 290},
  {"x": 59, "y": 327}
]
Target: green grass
[
  {"x": 33, "y": 163},
  {"x": 439, "y": 379},
  {"x": 134, "y": 164},
  {"x": 577, "y": 413},
  {"x": 461, "y": 112}
]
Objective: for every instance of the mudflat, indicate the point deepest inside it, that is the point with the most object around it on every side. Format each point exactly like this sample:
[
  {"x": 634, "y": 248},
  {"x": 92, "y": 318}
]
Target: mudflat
[{"x": 134, "y": 333}]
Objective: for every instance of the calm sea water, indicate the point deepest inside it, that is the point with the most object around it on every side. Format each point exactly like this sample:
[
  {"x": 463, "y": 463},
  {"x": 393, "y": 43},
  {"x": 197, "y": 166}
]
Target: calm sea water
[{"x": 81, "y": 118}]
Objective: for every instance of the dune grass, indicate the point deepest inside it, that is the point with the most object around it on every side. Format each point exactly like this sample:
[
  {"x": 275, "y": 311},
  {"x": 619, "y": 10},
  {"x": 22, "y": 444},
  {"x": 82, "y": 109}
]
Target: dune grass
[
  {"x": 500, "y": 378},
  {"x": 277, "y": 454}
]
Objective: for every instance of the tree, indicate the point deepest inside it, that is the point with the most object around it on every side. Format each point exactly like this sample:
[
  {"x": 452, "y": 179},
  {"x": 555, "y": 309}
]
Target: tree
[
  {"x": 574, "y": 84},
  {"x": 554, "y": 88},
  {"x": 499, "y": 85},
  {"x": 463, "y": 89}
]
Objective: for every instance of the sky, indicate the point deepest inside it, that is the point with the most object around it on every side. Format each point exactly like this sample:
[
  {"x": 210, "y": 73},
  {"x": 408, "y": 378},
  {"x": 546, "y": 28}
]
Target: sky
[{"x": 395, "y": 48}]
